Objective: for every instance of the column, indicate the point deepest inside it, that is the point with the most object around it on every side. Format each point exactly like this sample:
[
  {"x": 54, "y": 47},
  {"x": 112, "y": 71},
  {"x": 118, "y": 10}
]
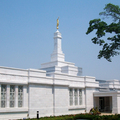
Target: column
[
  {"x": 114, "y": 104},
  {"x": 73, "y": 98},
  {"x": 78, "y": 98},
  {"x": 16, "y": 96},
  {"x": 89, "y": 98},
  {"x": 111, "y": 103},
  {"x": 83, "y": 97},
  {"x": 118, "y": 103},
  {"x": 0, "y": 95},
  {"x": 25, "y": 97},
  {"x": 8, "y": 96}
]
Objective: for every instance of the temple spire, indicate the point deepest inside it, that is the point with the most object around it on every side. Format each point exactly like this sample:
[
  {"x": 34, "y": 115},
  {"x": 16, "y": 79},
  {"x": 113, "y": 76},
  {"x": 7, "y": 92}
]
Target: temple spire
[{"x": 57, "y": 54}]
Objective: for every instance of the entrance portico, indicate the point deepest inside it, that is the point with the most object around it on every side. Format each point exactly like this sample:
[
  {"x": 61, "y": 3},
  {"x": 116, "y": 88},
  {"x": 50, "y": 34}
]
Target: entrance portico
[
  {"x": 107, "y": 101},
  {"x": 104, "y": 104}
]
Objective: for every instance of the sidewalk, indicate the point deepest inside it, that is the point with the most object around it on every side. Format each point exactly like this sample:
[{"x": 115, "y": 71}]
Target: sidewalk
[{"x": 107, "y": 114}]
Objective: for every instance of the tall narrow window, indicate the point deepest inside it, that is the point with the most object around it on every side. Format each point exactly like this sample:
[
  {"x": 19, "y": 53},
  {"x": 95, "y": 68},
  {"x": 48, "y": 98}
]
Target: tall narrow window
[
  {"x": 71, "y": 96},
  {"x": 3, "y": 96},
  {"x": 12, "y": 95},
  {"x": 20, "y": 96},
  {"x": 80, "y": 97},
  {"x": 76, "y": 97}
]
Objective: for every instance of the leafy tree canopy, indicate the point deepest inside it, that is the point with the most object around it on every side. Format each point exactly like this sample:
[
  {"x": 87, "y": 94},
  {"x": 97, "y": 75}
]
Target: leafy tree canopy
[{"x": 110, "y": 46}]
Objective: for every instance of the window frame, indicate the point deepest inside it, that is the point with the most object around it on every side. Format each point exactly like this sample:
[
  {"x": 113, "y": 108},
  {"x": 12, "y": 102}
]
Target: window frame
[
  {"x": 80, "y": 96},
  {"x": 75, "y": 97},
  {"x": 70, "y": 96},
  {"x": 20, "y": 96},
  {"x": 3, "y": 96},
  {"x": 12, "y": 96}
]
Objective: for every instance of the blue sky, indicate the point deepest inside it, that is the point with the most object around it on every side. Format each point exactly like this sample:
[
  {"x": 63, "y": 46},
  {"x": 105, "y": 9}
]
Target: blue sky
[{"x": 27, "y": 28}]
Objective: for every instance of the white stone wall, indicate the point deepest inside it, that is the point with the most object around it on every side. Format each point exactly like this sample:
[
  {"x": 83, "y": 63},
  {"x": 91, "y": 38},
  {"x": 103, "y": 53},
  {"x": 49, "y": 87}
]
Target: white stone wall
[
  {"x": 89, "y": 98},
  {"x": 14, "y": 112},
  {"x": 16, "y": 77},
  {"x": 13, "y": 115},
  {"x": 76, "y": 110},
  {"x": 48, "y": 95},
  {"x": 114, "y": 103},
  {"x": 61, "y": 100},
  {"x": 40, "y": 99},
  {"x": 118, "y": 103},
  {"x": 25, "y": 96}
]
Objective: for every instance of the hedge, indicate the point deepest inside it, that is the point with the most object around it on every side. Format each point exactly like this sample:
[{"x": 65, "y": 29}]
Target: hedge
[{"x": 80, "y": 116}]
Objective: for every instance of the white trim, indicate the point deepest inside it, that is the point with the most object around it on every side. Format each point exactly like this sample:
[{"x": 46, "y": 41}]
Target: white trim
[
  {"x": 76, "y": 107},
  {"x": 4, "y": 110}
]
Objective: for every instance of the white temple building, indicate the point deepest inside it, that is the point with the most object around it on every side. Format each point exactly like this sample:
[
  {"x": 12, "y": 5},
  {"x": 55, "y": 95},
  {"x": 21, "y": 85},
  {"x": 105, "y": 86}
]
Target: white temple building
[{"x": 58, "y": 88}]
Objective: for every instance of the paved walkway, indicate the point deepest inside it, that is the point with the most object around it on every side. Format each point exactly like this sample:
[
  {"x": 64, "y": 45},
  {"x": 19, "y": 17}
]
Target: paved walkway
[{"x": 106, "y": 114}]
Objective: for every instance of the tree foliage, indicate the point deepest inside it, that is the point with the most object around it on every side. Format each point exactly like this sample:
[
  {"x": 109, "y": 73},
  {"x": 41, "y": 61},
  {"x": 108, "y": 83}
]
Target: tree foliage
[{"x": 110, "y": 46}]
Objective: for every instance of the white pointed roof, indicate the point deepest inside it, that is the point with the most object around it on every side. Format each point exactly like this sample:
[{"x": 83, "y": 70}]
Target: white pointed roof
[{"x": 58, "y": 63}]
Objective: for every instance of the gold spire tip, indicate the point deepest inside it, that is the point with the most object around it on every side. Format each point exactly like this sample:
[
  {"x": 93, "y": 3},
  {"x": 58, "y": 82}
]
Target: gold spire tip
[{"x": 57, "y": 23}]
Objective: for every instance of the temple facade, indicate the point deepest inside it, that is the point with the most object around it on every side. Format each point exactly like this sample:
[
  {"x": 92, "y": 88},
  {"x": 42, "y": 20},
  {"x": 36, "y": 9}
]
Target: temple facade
[{"x": 57, "y": 88}]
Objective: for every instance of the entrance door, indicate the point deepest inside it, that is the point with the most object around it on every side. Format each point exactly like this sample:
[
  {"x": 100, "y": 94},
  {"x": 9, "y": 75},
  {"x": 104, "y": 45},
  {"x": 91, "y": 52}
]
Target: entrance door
[
  {"x": 101, "y": 104},
  {"x": 105, "y": 104}
]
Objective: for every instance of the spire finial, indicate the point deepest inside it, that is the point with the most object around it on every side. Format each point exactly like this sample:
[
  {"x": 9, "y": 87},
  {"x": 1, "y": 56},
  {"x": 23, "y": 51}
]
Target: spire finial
[{"x": 57, "y": 23}]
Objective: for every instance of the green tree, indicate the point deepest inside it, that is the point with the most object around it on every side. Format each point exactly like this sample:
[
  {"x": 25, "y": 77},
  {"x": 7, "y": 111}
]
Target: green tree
[{"x": 110, "y": 45}]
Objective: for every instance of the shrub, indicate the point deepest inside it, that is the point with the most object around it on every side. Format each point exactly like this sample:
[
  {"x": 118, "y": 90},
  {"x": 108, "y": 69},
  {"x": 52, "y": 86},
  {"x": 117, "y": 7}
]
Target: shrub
[
  {"x": 81, "y": 116},
  {"x": 94, "y": 111}
]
